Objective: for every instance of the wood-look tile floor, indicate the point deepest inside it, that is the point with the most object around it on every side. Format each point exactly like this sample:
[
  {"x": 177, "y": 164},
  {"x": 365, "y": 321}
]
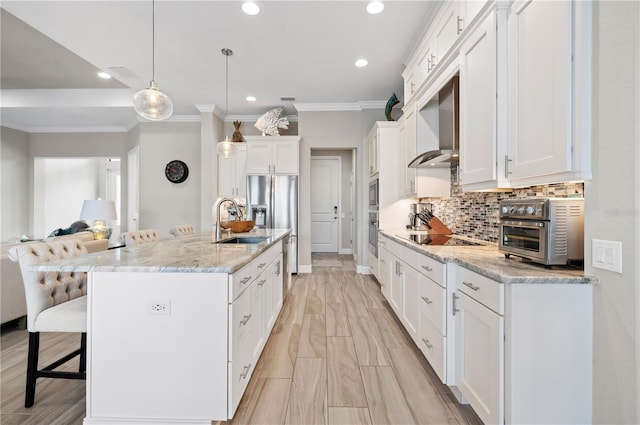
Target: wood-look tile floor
[{"x": 337, "y": 355}]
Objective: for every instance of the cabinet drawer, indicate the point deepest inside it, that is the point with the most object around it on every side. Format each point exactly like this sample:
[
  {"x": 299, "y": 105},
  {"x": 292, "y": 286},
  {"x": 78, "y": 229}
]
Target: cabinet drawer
[
  {"x": 240, "y": 281},
  {"x": 433, "y": 269},
  {"x": 433, "y": 346},
  {"x": 261, "y": 263},
  {"x": 395, "y": 248},
  {"x": 484, "y": 290},
  {"x": 433, "y": 299},
  {"x": 240, "y": 322},
  {"x": 240, "y": 369}
]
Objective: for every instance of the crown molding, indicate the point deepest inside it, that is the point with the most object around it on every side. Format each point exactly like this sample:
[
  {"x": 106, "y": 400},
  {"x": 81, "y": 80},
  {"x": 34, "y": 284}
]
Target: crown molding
[
  {"x": 372, "y": 104},
  {"x": 254, "y": 118},
  {"x": 172, "y": 119}
]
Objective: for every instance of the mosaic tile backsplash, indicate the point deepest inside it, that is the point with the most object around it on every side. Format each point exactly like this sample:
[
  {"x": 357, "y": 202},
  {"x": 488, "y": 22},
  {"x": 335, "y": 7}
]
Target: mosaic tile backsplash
[{"x": 475, "y": 214}]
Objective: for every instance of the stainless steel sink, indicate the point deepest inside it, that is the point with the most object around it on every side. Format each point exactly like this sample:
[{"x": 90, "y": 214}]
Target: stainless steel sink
[{"x": 245, "y": 239}]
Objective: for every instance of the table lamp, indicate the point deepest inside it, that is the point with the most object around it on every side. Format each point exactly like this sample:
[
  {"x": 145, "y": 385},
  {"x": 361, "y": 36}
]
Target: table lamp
[{"x": 99, "y": 211}]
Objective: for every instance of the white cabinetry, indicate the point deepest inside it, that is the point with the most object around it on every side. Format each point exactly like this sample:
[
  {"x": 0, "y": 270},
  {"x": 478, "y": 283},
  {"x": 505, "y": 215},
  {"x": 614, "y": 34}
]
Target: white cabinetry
[
  {"x": 478, "y": 107},
  {"x": 410, "y": 317},
  {"x": 548, "y": 89},
  {"x": 384, "y": 267},
  {"x": 523, "y": 350},
  {"x": 231, "y": 173},
  {"x": 383, "y": 138},
  {"x": 272, "y": 154},
  {"x": 374, "y": 160},
  {"x": 406, "y": 152},
  {"x": 449, "y": 25},
  {"x": 480, "y": 344}
]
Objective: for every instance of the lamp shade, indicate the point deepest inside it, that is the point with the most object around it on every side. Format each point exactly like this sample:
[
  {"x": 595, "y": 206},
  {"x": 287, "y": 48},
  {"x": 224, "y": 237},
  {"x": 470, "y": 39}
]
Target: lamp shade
[
  {"x": 153, "y": 104},
  {"x": 226, "y": 148},
  {"x": 98, "y": 209}
]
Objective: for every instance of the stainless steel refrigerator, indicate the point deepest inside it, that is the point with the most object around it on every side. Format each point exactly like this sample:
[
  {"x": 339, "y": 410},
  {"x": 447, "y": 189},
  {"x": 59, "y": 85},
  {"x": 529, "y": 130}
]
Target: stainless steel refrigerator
[{"x": 272, "y": 201}]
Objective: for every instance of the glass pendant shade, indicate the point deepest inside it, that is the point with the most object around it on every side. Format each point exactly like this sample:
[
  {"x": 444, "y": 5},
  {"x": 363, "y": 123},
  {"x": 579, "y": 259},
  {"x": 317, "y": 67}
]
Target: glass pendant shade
[
  {"x": 153, "y": 104},
  {"x": 226, "y": 148}
]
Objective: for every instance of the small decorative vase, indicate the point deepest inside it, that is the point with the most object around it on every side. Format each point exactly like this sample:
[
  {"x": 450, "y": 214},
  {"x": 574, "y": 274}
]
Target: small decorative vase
[{"x": 237, "y": 136}]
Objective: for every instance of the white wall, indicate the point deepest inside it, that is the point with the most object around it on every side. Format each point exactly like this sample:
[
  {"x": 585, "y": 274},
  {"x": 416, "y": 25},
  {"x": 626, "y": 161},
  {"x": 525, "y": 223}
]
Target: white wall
[
  {"x": 164, "y": 204},
  {"x": 612, "y": 204},
  {"x": 61, "y": 186},
  {"x": 14, "y": 184}
]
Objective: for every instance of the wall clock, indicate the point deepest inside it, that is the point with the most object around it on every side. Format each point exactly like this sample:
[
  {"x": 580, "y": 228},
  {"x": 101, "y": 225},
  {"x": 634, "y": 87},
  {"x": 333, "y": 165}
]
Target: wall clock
[{"x": 176, "y": 171}]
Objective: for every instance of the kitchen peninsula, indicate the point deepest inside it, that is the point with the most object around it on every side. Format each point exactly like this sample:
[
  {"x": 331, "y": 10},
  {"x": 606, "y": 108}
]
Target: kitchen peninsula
[{"x": 175, "y": 327}]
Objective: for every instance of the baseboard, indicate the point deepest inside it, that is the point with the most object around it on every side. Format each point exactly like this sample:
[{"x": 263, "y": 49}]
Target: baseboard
[
  {"x": 346, "y": 251},
  {"x": 363, "y": 269},
  {"x": 303, "y": 269}
]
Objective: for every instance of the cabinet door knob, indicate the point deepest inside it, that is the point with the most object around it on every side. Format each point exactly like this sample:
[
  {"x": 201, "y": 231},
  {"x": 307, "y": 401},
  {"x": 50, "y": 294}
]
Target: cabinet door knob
[{"x": 245, "y": 320}]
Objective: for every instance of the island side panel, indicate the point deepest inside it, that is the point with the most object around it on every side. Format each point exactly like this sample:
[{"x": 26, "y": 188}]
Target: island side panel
[{"x": 146, "y": 364}]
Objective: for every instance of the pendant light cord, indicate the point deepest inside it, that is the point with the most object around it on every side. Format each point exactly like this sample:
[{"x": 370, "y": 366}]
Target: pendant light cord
[{"x": 153, "y": 40}]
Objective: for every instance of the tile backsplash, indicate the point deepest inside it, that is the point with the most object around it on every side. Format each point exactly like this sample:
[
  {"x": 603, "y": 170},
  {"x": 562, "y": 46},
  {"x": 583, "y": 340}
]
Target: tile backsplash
[{"x": 475, "y": 214}]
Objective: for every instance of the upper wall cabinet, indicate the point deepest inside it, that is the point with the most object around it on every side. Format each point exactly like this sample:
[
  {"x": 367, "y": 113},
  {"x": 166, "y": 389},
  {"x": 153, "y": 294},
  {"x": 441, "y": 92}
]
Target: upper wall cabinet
[
  {"x": 272, "y": 154},
  {"x": 479, "y": 104},
  {"x": 524, "y": 96},
  {"x": 548, "y": 87},
  {"x": 231, "y": 173}
]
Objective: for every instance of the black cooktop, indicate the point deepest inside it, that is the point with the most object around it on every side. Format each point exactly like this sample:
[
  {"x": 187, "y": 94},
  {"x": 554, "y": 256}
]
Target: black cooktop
[{"x": 437, "y": 239}]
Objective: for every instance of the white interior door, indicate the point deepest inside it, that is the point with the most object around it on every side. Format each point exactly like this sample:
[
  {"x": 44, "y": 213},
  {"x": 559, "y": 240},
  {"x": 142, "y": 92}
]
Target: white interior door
[
  {"x": 133, "y": 173},
  {"x": 325, "y": 203}
]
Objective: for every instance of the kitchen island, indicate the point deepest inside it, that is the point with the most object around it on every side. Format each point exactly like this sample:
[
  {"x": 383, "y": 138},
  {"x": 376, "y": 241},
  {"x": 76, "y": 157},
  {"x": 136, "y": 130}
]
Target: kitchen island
[{"x": 175, "y": 327}]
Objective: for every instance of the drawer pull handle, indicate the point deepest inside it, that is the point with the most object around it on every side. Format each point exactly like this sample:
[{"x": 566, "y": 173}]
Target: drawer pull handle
[
  {"x": 245, "y": 371},
  {"x": 455, "y": 309},
  {"x": 245, "y": 280},
  {"x": 471, "y": 285},
  {"x": 427, "y": 343},
  {"x": 261, "y": 265},
  {"x": 427, "y": 268},
  {"x": 262, "y": 282},
  {"x": 427, "y": 300},
  {"x": 245, "y": 320}
]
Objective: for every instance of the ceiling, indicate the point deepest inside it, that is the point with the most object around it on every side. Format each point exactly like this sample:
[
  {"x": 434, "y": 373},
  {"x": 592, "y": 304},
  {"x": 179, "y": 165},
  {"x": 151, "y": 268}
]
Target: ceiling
[{"x": 51, "y": 51}]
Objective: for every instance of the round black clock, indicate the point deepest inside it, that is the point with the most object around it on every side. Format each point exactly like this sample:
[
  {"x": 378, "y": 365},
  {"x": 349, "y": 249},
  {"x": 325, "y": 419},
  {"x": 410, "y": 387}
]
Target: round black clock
[{"x": 176, "y": 171}]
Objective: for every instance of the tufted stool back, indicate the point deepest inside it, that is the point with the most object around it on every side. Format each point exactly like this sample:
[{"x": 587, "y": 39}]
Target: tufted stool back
[
  {"x": 44, "y": 290},
  {"x": 138, "y": 237},
  {"x": 182, "y": 230}
]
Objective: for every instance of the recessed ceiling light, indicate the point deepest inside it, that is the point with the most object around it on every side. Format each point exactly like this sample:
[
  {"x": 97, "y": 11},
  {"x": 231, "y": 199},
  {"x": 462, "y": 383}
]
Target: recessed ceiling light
[
  {"x": 250, "y": 8},
  {"x": 361, "y": 63},
  {"x": 375, "y": 7},
  {"x": 104, "y": 75},
  {"x": 251, "y": 99}
]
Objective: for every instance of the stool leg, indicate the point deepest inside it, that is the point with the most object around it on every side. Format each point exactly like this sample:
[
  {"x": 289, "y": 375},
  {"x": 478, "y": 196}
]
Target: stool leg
[
  {"x": 32, "y": 368},
  {"x": 83, "y": 354}
]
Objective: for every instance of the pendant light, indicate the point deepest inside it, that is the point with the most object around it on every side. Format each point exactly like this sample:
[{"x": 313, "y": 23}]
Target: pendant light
[
  {"x": 151, "y": 103},
  {"x": 226, "y": 148}
]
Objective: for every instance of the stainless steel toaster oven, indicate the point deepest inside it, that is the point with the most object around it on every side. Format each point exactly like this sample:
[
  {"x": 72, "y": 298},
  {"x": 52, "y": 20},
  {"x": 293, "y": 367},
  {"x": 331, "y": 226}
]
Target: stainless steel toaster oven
[{"x": 548, "y": 231}]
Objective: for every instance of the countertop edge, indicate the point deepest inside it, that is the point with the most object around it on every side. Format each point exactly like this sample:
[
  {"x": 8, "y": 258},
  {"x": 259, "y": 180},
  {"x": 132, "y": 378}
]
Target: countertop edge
[{"x": 447, "y": 255}]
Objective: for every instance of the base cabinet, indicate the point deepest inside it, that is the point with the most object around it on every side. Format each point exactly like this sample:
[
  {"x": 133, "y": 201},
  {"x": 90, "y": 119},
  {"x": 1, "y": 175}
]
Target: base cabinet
[
  {"x": 480, "y": 358},
  {"x": 523, "y": 350}
]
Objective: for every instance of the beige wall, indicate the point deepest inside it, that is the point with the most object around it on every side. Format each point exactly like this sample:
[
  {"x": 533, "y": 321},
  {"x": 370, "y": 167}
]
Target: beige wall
[
  {"x": 164, "y": 204},
  {"x": 612, "y": 201},
  {"x": 14, "y": 184},
  {"x": 339, "y": 130}
]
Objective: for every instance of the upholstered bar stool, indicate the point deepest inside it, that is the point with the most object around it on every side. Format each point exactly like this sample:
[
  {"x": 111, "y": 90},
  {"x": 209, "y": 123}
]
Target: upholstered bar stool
[
  {"x": 56, "y": 302},
  {"x": 182, "y": 230},
  {"x": 138, "y": 237}
]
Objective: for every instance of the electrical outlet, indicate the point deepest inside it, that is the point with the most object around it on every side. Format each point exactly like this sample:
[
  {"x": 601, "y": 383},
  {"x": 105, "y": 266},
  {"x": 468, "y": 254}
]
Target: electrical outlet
[{"x": 159, "y": 307}]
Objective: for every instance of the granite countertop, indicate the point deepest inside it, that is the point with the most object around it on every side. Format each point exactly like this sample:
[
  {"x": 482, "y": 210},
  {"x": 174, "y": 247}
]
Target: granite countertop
[
  {"x": 185, "y": 254},
  {"x": 488, "y": 261}
]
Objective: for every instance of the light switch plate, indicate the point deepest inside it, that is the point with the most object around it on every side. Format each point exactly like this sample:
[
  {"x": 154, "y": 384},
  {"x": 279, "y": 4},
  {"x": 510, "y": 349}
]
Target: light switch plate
[{"x": 606, "y": 255}]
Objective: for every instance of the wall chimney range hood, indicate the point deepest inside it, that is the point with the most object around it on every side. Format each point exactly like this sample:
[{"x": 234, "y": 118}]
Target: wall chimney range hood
[{"x": 448, "y": 130}]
